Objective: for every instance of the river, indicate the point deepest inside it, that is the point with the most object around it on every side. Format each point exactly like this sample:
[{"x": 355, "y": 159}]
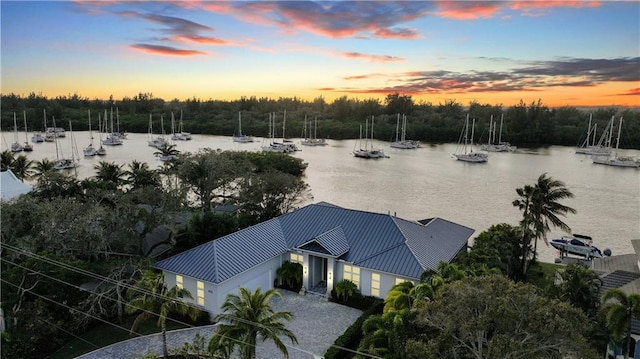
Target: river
[{"x": 428, "y": 182}]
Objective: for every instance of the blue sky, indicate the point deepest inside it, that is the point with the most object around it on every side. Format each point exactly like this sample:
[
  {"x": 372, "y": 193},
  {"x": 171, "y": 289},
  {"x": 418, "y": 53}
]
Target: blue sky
[{"x": 578, "y": 53}]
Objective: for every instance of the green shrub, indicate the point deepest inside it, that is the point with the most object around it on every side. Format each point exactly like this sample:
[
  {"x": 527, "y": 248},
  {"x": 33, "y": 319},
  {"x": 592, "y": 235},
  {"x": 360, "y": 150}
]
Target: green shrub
[{"x": 353, "y": 335}]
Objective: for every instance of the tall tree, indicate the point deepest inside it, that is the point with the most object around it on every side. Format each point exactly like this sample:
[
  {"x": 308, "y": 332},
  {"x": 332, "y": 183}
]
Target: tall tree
[
  {"x": 43, "y": 166},
  {"x": 541, "y": 208},
  {"x": 619, "y": 308},
  {"x": 246, "y": 317},
  {"x": 152, "y": 298}
]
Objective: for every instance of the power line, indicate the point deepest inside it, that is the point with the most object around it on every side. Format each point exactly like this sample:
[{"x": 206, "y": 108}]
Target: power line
[{"x": 143, "y": 290}]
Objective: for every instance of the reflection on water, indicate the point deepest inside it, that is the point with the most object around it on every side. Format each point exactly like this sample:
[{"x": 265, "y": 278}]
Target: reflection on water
[{"x": 428, "y": 182}]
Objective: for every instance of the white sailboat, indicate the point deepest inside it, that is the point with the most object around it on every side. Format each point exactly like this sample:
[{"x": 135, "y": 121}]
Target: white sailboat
[
  {"x": 617, "y": 160},
  {"x": 500, "y": 146},
  {"x": 90, "y": 150},
  {"x": 368, "y": 151},
  {"x": 101, "y": 151},
  {"x": 15, "y": 146},
  {"x": 312, "y": 140},
  {"x": 603, "y": 147},
  {"x": 286, "y": 146},
  {"x": 402, "y": 142},
  {"x": 63, "y": 163},
  {"x": 241, "y": 137},
  {"x": 157, "y": 141},
  {"x": 37, "y": 136},
  {"x": 464, "y": 151},
  {"x": 180, "y": 135},
  {"x": 113, "y": 138},
  {"x": 27, "y": 147}
]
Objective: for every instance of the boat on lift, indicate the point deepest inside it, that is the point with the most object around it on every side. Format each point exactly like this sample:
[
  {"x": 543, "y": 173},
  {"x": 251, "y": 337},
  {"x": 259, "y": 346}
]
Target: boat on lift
[{"x": 579, "y": 245}]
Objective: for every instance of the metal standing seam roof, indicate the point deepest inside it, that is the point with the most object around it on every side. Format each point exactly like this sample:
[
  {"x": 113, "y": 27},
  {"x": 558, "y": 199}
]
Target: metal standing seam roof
[
  {"x": 375, "y": 241},
  {"x": 333, "y": 242}
]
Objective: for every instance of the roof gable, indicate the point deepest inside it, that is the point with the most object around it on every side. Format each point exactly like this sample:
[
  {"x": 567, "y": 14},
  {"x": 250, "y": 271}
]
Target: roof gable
[
  {"x": 332, "y": 242},
  {"x": 11, "y": 187}
]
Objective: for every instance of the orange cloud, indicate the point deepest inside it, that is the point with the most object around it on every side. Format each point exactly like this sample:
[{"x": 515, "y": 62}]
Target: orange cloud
[
  {"x": 204, "y": 40},
  {"x": 463, "y": 10},
  {"x": 372, "y": 58},
  {"x": 544, "y": 4},
  {"x": 165, "y": 50}
]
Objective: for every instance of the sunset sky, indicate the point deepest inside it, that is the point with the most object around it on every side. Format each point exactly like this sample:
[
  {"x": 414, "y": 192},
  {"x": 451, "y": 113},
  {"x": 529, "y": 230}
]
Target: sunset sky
[{"x": 577, "y": 53}]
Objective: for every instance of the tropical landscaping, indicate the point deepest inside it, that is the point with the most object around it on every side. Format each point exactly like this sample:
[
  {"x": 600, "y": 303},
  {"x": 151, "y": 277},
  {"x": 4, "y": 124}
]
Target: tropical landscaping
[{"x": 77, "y": 258}]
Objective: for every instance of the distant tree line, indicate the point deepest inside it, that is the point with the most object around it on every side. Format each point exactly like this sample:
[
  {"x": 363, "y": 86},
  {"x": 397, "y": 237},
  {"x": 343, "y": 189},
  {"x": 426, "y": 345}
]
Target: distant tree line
[{"x": 530, "y": 124}]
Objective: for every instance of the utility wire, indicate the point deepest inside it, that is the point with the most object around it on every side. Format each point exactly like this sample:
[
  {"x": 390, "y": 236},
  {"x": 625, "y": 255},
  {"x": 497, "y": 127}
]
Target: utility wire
[{"x": 112, "y": 281}]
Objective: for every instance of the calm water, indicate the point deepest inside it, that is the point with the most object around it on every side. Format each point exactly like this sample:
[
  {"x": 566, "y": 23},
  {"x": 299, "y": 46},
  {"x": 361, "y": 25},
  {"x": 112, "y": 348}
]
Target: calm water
[{"x": 428, "y": 182}]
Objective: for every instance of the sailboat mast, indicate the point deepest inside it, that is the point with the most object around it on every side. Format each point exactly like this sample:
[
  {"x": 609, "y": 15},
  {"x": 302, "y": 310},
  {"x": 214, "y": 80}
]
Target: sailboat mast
[
  {"x": 501, "y": 122},
  {"x": 239, "y": 123},
  {"x": 26, "y": 135},
  {"x": 284, "y": 120},
  {"x": 473, "y": 126},
  {"x": 397, "y": 126},
  {"x": 619, "y": 130},
  {"x": 90, "y": 133},
  {"x": 315, "y": 129},
  {"x": 589, "y": 130}
]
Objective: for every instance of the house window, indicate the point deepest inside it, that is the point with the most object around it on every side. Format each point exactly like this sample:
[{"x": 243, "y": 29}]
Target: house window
[
  {"x": 401, "y": 280},
  {"x": 375, "y": 284},
  {"x": 179, "y": 281},
  {"x": 297, "y": 258},
  {"x": 353, "y": 274},
  {"x": 200, "y": 293}
]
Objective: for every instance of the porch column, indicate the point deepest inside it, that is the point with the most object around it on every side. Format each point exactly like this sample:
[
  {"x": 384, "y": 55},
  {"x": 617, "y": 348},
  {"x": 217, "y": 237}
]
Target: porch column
[
  {"x": 330, "y": 275},
  {"x": 305, "y": 271}
]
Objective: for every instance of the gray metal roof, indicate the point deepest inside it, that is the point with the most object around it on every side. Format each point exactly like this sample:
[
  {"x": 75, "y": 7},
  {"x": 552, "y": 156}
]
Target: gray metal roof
[
  {"x": 375, "y": 241},
  {"x": 333, "y": 242}
]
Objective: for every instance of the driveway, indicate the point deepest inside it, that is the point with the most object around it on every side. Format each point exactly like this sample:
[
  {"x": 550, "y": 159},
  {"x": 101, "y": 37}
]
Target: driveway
[{"x": 317, "y": 324}]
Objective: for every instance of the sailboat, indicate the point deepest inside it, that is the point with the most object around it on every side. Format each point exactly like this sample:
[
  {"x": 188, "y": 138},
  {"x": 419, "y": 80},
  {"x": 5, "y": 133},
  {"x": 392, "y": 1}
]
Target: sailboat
[
  {"x": 90, "y": 150},
  {"x": 100, "y": 151},
  {"x": 180, "y": 135},
  {"x": 15, "y": 146},
  {"x": 465, "y": 146},
  {"x": 27, "y": 147},
  {"x": 402, "y": 142},
  {"x": 501, "y": 146},
  {"x": 37, "y": 136},
  {"x": 603, "y": 147},
  {"x": 158, "y": 141},
  {"x": 241, "y": 137},
  {"x": 48, "y": 135},
  {"x": 65, "y": 163},
  {"x": 368, "y": 151},
  {"x": 113, "y": 138},
  {"x": 617, "y": 160},
  {"x": 286, "y": 146},
  {"x": 312, "y": 140}
]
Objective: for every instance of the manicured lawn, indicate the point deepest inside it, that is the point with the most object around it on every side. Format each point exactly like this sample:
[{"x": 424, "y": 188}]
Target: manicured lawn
[{"x": 105, "y": 334}]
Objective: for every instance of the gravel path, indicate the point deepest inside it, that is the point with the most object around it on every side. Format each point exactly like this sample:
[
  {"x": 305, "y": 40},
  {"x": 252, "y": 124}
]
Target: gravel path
[{"x": 317, "y": 323}]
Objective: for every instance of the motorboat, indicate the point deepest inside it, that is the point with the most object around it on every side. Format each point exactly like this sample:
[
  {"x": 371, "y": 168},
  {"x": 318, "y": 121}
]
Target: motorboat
[{"x": 580, "y": 245}]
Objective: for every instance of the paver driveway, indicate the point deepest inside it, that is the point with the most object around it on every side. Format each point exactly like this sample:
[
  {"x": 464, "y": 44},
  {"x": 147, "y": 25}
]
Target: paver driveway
[{"x": 317, "y": 323}]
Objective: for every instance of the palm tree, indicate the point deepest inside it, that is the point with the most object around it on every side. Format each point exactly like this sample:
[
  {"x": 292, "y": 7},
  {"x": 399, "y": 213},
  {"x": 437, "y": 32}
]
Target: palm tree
[
  {"x": 21, "y": 167},
  {"x": 109, "y": 173},
  {"x": 140, "y": 175},
  {"x": 246, "y": 316},
  {"x": 151, "y": 296},
  {"x": 619, "y": 308},
  {"x": 540, "y": 208},
  {"x": 42, "y": 167},
  {"x": 167, "y": 151},
  {"x": 6, "y": 160}
]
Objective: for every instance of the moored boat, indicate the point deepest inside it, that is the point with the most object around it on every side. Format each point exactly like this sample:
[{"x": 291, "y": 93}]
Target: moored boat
[{"x": 580, "y": 245}]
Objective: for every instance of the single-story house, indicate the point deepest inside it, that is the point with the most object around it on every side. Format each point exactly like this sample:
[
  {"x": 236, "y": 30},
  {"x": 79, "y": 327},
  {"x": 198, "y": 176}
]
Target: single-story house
[
  {"x": 623, "y": 272},
  {"x": 373, "y": 250},
  {"x": 11, "y": 187}
]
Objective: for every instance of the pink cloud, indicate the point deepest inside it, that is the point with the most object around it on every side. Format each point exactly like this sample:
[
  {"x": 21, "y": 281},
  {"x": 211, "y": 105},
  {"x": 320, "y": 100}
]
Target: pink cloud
[
  {"x": 164, "y": 50},
  {"x": 371, "y": 58}
]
